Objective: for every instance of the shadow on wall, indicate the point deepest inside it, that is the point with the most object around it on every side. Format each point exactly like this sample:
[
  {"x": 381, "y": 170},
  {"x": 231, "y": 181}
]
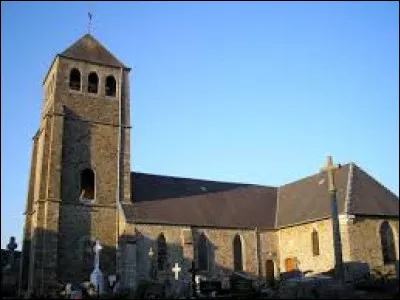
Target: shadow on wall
[
  {"x": 149, "y": 265},
  {"x": 78, "y": 187}
]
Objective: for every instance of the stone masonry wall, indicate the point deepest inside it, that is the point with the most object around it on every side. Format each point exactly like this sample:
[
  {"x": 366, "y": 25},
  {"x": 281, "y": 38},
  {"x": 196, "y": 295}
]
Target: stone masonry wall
[
  {"x": 365, "y": 241},
  {"x": 295, "y": 242},
  {"x": 90, "y": 140},
  {"x": 269, "y": 250},
  {"x": 220, "y": 243}
]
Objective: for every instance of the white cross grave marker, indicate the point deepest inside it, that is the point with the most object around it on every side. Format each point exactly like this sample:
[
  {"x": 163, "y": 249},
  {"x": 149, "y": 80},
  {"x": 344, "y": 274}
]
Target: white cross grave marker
[
  {"x": 96, "y": 278},
  {"x": 176, "y": 269},
  {"x": 96, "y": 250}
]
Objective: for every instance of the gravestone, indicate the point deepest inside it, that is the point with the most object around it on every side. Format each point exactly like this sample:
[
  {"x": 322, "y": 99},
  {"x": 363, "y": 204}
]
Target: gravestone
[
  {"x": 356, "y": 271},
  {"x": 96, "y": 278},
  {"x": 176, "y": 269},
  {"x": 208, "y": 286},
  {"x": 240, "y": 284}
]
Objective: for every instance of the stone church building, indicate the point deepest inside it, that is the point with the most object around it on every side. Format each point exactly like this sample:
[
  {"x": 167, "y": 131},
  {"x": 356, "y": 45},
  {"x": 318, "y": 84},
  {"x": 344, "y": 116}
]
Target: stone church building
[{"x": 81, "y": 189}]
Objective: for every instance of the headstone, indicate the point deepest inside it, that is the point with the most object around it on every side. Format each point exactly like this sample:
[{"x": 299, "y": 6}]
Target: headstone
[
  {"x": 225, "y": 283},
  {"x": 356, "y": 271},
  {"x": 208, "y": 286},
  {"x": 96, "y": 278},
  {"x": 68, "y": 289},
  {"x": 241, "y": 284},
  {"x": 176, "y": 269}
]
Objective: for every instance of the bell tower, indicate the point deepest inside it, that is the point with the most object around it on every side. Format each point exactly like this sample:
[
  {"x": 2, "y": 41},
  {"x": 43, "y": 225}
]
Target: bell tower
[{"x": 80, "y": 168}]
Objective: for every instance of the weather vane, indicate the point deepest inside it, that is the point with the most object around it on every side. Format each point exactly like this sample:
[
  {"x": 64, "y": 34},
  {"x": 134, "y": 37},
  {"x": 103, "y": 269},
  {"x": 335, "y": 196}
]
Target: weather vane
[{"x": 90, "y": 21}]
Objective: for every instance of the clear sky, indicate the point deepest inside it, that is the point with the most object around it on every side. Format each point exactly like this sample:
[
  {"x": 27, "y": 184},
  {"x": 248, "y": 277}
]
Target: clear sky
[{"x": 254, "y": 92}]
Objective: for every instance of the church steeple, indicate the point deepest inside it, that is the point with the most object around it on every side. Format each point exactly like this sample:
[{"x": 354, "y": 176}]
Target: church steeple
[
  {"x": 88, "y": 49},
  {"x": 80, "y": 168}
]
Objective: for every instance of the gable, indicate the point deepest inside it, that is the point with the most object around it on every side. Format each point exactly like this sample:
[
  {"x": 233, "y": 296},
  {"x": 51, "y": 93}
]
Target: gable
[{"x": 369, "y": 197}]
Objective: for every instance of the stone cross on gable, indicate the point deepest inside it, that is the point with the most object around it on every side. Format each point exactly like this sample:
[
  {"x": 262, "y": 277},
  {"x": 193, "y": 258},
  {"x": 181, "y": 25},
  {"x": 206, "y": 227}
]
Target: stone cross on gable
[
  {"x": 176, "y": 269},
  {"x": 97, "y": 247},
  {"x": 330, "y": 169}
]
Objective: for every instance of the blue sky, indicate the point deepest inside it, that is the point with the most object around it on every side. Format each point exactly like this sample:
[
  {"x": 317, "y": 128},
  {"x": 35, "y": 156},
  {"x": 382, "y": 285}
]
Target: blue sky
[{"x": 255, "y": 92}]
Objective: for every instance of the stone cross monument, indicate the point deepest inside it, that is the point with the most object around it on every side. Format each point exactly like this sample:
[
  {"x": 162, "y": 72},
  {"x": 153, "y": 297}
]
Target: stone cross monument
[
  {"x": 330, "y": 169},
  {"x": 12, "y": 245},
  {"x": 96, "y": 278}
]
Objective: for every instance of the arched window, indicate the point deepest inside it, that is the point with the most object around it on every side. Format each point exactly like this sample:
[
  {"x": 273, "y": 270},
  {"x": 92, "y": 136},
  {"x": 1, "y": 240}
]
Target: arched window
[
  {"x": 111, "y": 86},
  {"x": 161, "y": 252},
  {"x": 75, "y": 80},
  {"x": 237, "y": 253},
  {"x": 387, "y": 243},
  {"x": 315, "y": 243},
  {"x": 93, "y": 83},
  {"x": 202, "y": 253},
  {"x": 87, "y": 185}
]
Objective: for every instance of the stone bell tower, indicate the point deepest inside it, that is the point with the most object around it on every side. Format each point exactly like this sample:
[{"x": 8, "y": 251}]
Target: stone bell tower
[{"x": 80, "y": 168}]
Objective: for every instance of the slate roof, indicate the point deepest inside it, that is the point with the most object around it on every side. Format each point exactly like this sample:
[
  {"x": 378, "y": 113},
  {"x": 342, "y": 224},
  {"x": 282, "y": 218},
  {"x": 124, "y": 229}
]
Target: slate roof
[
  {"x": 87, "y": 48},
  {"x": 357, "y": 194},
  {"x": 171, "y": 200},
  {"x": 369, "y": 197},
  {"x": 308, "y": 198}
]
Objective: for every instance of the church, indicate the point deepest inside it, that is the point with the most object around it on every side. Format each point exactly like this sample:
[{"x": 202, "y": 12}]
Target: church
[{"x": 81, "y": 190}]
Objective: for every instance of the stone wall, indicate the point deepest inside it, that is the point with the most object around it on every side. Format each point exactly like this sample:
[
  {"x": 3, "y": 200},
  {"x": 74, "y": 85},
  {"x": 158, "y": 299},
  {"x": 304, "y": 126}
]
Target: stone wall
[
  {"x": 296, "y": 242},
  {"x": 269, "y": 250},
  {"x": 77, "y": 130},
  {"x": 79, "y": 224},
  {"x": 365, "y": 241},
  {"x": 220, "y": 246}
]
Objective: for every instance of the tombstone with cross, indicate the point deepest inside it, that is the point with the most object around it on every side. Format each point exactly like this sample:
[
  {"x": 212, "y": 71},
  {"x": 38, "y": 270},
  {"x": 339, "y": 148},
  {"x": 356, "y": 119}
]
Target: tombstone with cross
[
  {"x": 96, "y": 278},
  {"x": 176, "y": 269}
]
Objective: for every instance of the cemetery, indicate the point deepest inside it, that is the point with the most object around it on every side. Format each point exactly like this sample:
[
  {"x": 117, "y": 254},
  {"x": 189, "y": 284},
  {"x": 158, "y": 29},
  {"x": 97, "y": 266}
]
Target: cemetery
[{"x": 238, "y": 285}]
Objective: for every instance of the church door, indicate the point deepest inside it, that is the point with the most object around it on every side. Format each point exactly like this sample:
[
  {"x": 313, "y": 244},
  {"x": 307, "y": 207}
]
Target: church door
[
  {"x": 269, "y": 270},
  {"x": 289, "y": 264}
]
